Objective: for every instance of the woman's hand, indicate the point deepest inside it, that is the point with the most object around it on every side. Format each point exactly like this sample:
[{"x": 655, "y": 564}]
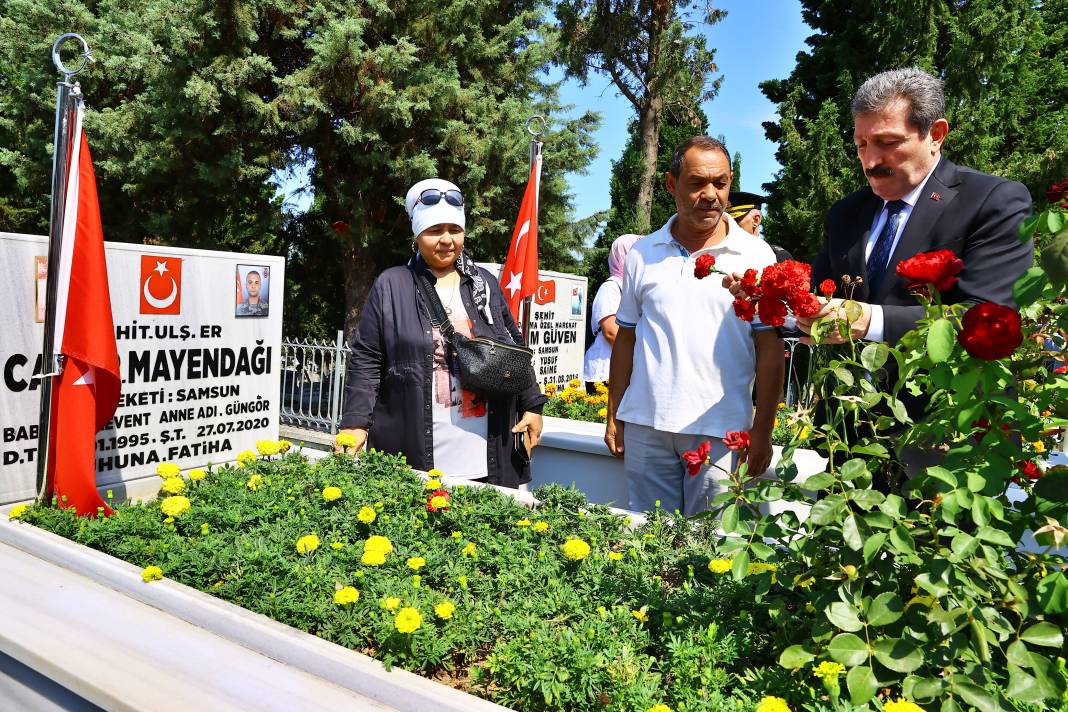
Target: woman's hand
[
  {"x": 360, "y": 434},
  {"x": 530, "y": 423}
]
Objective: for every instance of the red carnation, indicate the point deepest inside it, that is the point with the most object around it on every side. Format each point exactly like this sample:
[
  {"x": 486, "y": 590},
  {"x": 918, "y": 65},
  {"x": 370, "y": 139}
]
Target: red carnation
[
  {"x": 1058, "y": 191},
  {"x": 695, "y": 459},
  {"x": 736, "y": 439},
  {"x": 430, "y": 505},
  {"x": 990, "y": 331},
  {"x": 806, "y": 305},
  {"x": 744, "y": 309},
  {"x": 984, "y": 427},
  {"x": 939, "y": 268},
  {"x": 772, "y": 311},
  {"x": 704, "y": 266},
  {"x": 827, "y": 287},
  {"x": 751, "y": 283},
  {"x": 1030, "y": 470}
]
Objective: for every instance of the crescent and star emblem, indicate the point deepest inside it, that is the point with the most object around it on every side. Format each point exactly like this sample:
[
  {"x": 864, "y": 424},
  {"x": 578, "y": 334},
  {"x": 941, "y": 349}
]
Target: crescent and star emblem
[
  {"x": 522, "y": 233},
  {"x": 161, "y": 267}
]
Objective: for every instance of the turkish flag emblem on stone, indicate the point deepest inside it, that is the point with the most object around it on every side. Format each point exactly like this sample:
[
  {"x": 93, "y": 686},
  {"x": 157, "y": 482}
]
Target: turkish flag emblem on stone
[
  {"x": 546, "y": 292},
  {"x": 161, "y": 285}
]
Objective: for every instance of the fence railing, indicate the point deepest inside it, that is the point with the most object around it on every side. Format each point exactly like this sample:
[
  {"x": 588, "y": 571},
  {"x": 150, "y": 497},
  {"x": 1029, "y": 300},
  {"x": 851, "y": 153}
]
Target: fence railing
[{"x": 313, "y": 381}]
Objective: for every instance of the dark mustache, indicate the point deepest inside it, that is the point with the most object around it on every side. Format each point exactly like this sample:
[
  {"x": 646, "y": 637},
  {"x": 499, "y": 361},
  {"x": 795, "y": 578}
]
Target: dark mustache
[
  {"x": 879, "y": 172},
  {"x": 710, "y": 206}
]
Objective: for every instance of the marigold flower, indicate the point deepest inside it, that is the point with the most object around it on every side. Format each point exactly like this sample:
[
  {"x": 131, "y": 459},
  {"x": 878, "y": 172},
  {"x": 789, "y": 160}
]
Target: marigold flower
[
  {"x": 444, "y": 610},
  {"x": 574, "y": 383},
  {"x": 254, "y": 482},
  {"x": 469, "y": 550},
  {"x": 267, "y": 448},
  {"x": 366, "y": 514},
  {"x": 345, "y": 440},
  {"x": 205, "y": 528},
  {"x": 175, "y": 506},
  {"x": 284, "y": 446},
  {"x": 173, "y": 485},
  {"x": 17, "y": 511},
  {"x": 736, "y": 440},
  {"x": 167, "y": 470},
  {"x": 575, "y": 549},
  {"x": 307, "y": 544},
  {"x": 720, "y": 566},
  {"x": 659, "y": 708},
  {"x": 331, "y": 493},
  {"x": 601, "y": 387},
  {"x": 197, "y": 475},
  {"x": 151, "y": 573},
  {"x": 246, "y": 458},
  {"x": 828, "y": 671},
  {"x": 550, "y": 389},
  {"x": 696, "y": 459},
  {"x": 372, "y": 558},
  {"x": 416, "y": 562},
  {"x": 704, "y": 266},
  {"x": 641, "y": 615},
  {"x": 615, "y": 556},
  {"x": 337, "y": 545},
  {"x": 378, "y": 543},
  {"x": 346, "y": 595},
  {"x": 1039, "y": 446},
  {"x": 437, "y": 501},
  {"x": 408, "y": 620},
  {"x": 602, "y": 413},
  {"x": 523, "y": 523},
  {"x": 541, "y": 527},
  {"x": 770, "y": 703},
  {"x": 900, "y": 705},
  {"x": 462, "y": 580},
  {"x": 433, "y": 484}
]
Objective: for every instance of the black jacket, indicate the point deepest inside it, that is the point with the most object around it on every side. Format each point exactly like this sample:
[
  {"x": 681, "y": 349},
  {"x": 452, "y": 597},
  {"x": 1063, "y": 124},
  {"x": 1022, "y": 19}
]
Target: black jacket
[
  {"x": 974, "y": 214},
  {"x": 389, "y": 378}
]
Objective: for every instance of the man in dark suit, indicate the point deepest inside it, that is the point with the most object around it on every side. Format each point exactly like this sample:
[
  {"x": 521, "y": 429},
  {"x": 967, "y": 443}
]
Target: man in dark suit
[{"x": 916, "y": 201}]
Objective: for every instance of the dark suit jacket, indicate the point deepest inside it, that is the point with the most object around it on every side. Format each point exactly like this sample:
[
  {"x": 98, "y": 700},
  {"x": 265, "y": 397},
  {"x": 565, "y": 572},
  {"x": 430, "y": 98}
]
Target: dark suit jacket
[{"x": 971, "y": 213}]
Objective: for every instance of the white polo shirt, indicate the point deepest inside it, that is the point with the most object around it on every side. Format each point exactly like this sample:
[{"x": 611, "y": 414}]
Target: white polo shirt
[{"x": 694, "y": 360}]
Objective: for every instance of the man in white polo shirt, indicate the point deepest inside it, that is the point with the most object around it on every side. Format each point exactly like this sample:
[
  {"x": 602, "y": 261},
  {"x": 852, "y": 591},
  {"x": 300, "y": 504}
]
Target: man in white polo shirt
[{"x": 683, "y": 365}]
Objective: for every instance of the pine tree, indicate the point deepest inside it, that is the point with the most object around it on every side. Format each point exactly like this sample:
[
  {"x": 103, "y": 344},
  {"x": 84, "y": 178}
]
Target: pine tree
[{"x": 736, "y": 170}]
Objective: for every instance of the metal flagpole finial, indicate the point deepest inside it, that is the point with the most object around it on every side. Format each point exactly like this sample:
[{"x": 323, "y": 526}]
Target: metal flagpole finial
[
  {"x": 86, "y": 55},
  {"x": 531, "y": 120}
]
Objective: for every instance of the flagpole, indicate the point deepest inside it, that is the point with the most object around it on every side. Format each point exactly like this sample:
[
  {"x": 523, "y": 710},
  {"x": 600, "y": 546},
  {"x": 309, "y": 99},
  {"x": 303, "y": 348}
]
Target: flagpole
[
  {"x": 68, "y": 95},
  {"x": 535, "y": 152}
]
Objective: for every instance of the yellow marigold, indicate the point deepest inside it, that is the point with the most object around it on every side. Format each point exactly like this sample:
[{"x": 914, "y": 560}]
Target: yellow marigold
[
  {"x": 331, "y": 493},
  {"x": 829, "y": 671},
  {"x": 720, "y": 566},
  {"x": 254, "y": 482},
  {"x": 574, "y": 383},
  {"x": 439, "y": 502},
  {"x": 205, "y": 528},
  {"x": 337, "y": 545},
  {"x": 456, "y": 535},
  {"x": 550, "y": 389},
  {"x": 1039, "y": 446},
  {"x": 435, "y": 473},
  {"x": 284, "y": 446},
  {"x": 602, "y": 413},
  {"x": 523, "y": 523},
  {"x": 760, "y": 567},
  {"x": 615, "y": 556},
  {"x": 267, "y": 448},
  {"x": 601, "y": 387},
  {"x": 246, "y": 458},
  {"x": 366, "y": 514},
  {"x": 151, "y": 573},
  {"x": 416, "y": 562},
  {"x": 445, "y": 610},
  {"x": 433, "y": 484},
  {"x": 408, "y": 620},
  {"x": 469, "y": 550},
  {"x": 541, "y": 527},
  {"x": 591, "y": 400},
  {"x": 575, "y": 549},
  {"x": 346, "y": 595},
  {"x": 462, "y": 580},
  {"x": 391, "y": 603},
  {"x": 642, "y": 614},
  {"x": 772, "y": 704},
  {"x": 345, "y": 440},
  {"x": 167, "y": 470},
  {"x": 901, "y": 706},
  {"x": 17, "y": 511},
  {"x": 659, "y": 708},
  {"x": 173, "y": 485},
  {"x": 197, "y": 475},
  {"x": 175, "y": 506},
  {"x": 307, "y": 544},
  {"x": 378, "y": 543},
  {"x": 373, "y": 558}
]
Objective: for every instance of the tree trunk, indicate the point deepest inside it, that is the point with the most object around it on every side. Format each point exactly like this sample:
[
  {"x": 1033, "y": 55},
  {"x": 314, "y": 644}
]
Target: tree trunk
[
  {"x": 649, "y": 130},
  {"x": 359, "y": 275}
]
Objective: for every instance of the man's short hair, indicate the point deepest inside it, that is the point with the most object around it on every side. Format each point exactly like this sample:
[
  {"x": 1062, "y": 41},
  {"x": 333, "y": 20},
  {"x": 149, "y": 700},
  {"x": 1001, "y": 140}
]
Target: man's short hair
[
  {"x": 927, "y": 102},
  {"x": 704, "y": 143},
  {"x": 253, "y": 272}
]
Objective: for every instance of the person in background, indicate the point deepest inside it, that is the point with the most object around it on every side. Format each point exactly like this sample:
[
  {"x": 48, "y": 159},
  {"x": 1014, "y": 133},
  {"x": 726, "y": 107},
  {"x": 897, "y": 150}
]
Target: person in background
[
  {"x": 403, "y": 393},
  {"x": 745, "y": 209},
  {"x": 603, "y": 313}
]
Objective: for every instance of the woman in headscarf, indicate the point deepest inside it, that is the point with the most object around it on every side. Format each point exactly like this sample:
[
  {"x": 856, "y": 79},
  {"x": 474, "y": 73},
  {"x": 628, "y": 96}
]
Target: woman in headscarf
[
  {"x": 403, "y": 391},
  {"x": 603, "y": 312}
]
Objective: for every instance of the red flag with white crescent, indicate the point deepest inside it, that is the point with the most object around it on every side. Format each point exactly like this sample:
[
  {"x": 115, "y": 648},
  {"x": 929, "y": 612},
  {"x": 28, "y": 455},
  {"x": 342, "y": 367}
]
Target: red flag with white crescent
[
  {"x": 519, "y": 276},
  {"x": 87, "y": 393}
]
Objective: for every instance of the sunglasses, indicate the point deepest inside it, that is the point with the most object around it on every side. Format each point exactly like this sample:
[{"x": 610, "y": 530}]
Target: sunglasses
[{"x": 433, "y": 196}]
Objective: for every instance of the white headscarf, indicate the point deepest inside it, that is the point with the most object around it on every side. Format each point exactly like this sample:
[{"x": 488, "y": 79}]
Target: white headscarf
[{"x": 424, "y": 216}]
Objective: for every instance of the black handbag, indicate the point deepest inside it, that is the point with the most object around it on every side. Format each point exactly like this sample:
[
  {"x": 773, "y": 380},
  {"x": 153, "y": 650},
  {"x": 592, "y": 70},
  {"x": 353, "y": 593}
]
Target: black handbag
[{"x": 488, "y": 367}]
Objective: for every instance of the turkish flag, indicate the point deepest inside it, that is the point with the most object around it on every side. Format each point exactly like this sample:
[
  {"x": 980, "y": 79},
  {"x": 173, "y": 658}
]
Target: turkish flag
[
  {"x": 87, "y": 393},
  {"x": 546, "y": 292},
  {"x": 519, "y": 276}
]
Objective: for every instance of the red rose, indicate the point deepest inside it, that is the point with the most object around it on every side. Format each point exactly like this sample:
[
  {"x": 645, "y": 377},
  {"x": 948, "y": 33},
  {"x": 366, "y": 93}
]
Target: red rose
[
  {"x": 751, "y": 283},
  {"x": 744, "y": 309},
  {"x": 827, "y": 287},
  {"x": 430, "y": 507},
  {"x": 1029, "y": 470},
  {"x": 1058, "y": 191},
  {"x": 695, "y": 459},
  {"x": 990, "y": 331},
  {"x": 736, "y": 439},
  {"x": 704, "y": 266},
  {"x": 939, "y": 268}
]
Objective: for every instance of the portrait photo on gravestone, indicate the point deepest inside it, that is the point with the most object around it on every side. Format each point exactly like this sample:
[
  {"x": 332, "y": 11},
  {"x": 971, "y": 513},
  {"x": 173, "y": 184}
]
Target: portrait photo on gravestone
[{"x": 253, "y": 290}]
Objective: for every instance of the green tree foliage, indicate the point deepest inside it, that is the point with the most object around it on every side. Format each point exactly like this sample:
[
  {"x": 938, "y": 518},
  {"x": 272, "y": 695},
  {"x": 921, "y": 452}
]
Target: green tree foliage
[
  {"x": 196, "y": 105},
  {"x": 645, "y": 48},
  {"x": 1005, "y": 67},
  {"x": 736, "y": 170}
]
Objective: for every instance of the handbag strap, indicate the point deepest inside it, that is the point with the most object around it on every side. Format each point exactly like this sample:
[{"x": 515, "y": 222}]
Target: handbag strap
[{"x": 438, "y": 317}]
